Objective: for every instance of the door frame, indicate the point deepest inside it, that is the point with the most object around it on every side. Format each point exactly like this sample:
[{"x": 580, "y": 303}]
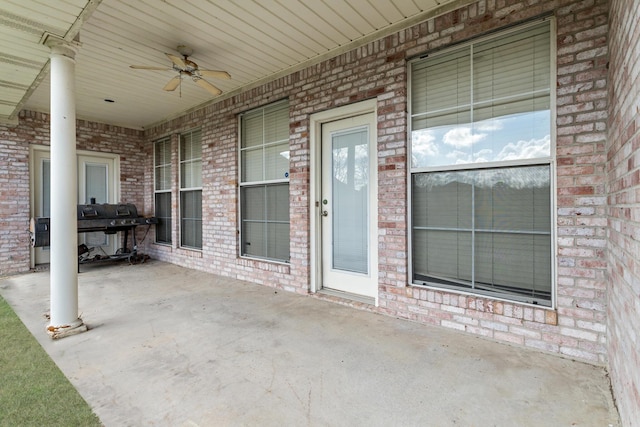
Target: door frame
[
  {"x": 34, "y": 148},
  {"x": 315, "y": 143}
]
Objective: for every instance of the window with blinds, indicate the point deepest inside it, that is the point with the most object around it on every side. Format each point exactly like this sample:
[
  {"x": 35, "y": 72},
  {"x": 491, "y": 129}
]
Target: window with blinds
[
  {"x": 264, "y": 183},
  {"x": 162, "y": 189},
  {"x": 481, "y": 166},
  {"x": 191, "y": 190}
]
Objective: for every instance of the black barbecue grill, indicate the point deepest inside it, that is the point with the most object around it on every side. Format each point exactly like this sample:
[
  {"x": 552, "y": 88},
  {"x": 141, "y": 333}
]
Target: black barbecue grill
[{"x": 108, "y": 218}]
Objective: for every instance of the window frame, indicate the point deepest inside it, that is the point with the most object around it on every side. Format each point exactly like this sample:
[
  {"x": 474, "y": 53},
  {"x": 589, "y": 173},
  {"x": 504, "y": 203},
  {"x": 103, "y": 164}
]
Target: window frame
[
  {"x": 263, "y": 183},
  {"x": 169, "y": 190},
  {"x": 184, "y": 190},
  {"x": 549, "y": 161}
]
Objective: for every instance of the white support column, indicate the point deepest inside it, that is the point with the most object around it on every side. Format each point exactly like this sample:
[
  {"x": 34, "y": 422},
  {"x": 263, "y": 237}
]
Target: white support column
[{"x": 64, "y": 193}]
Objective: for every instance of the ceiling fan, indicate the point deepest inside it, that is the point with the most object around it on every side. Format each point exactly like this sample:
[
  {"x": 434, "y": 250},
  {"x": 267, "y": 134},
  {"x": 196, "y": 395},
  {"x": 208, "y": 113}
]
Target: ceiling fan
[{"x": 186, "y": 67}]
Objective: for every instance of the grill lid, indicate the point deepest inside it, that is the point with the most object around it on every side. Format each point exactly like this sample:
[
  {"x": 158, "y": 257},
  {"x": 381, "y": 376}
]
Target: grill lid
[{"x": 107, "y": 211}]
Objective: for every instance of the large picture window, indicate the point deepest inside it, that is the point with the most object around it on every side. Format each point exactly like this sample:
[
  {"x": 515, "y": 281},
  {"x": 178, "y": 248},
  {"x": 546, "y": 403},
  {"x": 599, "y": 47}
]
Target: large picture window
[
  {"x": 191, "y": 190},
  {"x": 481, "y": 167},
  {"x": 162, "y": 190},
  {"x": 264, "y": 183}
]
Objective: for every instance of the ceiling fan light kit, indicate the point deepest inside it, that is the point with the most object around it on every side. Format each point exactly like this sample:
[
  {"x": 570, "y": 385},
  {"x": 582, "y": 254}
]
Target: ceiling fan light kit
[{"x": 185, "y": 67}]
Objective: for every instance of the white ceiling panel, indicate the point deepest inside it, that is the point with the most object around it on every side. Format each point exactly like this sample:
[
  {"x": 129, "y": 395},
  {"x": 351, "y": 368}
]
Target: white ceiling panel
[
  {"x": 253, "y": 40},
  {"x": 5, "y": 109}
]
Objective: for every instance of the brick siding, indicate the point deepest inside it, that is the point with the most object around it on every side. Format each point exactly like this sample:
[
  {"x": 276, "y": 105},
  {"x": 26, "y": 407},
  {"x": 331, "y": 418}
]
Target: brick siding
[
  {"x": 14, "y": 196},
  {"x": 623, "y": 182}
]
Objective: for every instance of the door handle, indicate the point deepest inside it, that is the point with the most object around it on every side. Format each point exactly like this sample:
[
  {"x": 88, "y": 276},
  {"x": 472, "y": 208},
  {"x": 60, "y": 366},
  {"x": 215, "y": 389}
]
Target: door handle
[{"x": 324, "y": 213}]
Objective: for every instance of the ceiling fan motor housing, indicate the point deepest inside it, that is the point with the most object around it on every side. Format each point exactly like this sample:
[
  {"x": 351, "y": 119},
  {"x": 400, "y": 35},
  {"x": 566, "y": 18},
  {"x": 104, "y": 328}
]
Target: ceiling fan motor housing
[{"x": 184, "y": 50}]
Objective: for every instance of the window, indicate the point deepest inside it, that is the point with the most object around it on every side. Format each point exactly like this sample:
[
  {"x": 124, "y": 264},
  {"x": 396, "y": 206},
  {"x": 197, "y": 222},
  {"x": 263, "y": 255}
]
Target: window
[
  {"x": 264, "y": 183},
  {"x": 191, "y": 190},
  {"x": 481, "y": 167},
  {"x": 162, "y": 193}
]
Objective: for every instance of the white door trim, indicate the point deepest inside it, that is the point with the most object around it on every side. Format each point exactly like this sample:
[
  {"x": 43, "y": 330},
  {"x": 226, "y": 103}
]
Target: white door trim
[{"x": 315, "y": 144}]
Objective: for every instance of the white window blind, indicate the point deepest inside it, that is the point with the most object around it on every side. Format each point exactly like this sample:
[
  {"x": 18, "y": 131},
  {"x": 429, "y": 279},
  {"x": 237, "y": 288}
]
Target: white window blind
[
  {"x": 511, "y": 74},
  {"x": 162, "y": 170},
  {"x": 483, "y": 102},
  {"x": 162, "y": 164},
  {"x": 264, "y": 183},
  {"x": 191, "y": 189},
  {"x": 191, "y": 160},
  {"x": 265, "y": 144},
  {"x": 478, "y": 227}
]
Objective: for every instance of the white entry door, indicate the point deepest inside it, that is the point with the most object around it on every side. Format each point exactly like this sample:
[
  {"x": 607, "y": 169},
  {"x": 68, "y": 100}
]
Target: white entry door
[
  {"x": 349, "y": 207},
  {"x": 96, "y": 178}
]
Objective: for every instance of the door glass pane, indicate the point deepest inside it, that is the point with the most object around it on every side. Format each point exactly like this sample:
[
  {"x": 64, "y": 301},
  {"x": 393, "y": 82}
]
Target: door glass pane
[
  {"x": 96, "y": 183},
  {"x": 96, "y": 187},
  {"x": 350, "y": 214},
  {"x": 46, "y": 192},
  {"x": 46, "y": 188}
]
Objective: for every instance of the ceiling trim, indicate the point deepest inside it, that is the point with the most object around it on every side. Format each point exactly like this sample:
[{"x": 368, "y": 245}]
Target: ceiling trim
[{"x": 88, "y": 10}]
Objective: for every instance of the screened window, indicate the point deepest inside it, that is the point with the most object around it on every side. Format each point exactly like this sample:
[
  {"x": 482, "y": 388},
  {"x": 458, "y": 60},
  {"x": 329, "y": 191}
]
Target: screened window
[
  {"x": 162, "y": 194},
  {"x": 481, "y": 173},
  {"x": 191, "y": 190},
  {"x": 264, "y": 183}
]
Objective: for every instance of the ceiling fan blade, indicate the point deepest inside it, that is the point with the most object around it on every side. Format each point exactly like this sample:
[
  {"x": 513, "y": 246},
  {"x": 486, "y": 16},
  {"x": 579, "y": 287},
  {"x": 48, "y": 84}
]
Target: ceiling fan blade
[
  {"x": 208, "y": 86},
  {"x": 215, "y": 74},
  {"x": 176, "y": 60},
  {"x": 148, "y": 67},
  {"x": 172, "y": 84}
]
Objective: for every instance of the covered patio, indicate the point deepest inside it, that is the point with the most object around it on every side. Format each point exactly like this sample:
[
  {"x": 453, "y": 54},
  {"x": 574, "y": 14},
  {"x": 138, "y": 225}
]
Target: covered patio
[
  {"x": 249, "y": 129},
  {"x": 173, "y": 346}
]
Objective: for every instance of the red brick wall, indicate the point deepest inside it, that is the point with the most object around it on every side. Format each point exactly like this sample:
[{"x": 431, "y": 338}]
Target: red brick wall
[
  {"x": 623, "y": 182},
  {"x": 14, "y": 197},
  {"x": 378, "y": 70},
  {"x": 33, "y": 128}
]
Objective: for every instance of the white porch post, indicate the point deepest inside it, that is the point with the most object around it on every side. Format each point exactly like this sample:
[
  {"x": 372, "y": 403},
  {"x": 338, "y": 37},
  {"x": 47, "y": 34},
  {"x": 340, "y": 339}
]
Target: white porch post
[{"x": 64, "y": 198}]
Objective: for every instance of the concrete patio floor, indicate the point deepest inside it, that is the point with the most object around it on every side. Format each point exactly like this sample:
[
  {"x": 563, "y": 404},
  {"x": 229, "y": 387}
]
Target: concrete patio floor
[{"x": 169, "y": 346}]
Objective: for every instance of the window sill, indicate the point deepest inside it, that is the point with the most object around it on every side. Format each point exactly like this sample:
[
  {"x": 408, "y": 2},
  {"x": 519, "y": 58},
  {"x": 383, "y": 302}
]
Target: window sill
[
  {"x": 162, "y": 244},
  {"x": 162, "y": 247},
  {"x": 267, "y": 265},
  {"x": 189, "y": 252},
  {"x": 484, "y": 304}
]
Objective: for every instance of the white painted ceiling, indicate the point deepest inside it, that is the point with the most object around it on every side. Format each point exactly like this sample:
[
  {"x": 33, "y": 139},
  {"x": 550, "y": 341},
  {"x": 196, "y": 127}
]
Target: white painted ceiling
[{"x": 253, "y": 40}]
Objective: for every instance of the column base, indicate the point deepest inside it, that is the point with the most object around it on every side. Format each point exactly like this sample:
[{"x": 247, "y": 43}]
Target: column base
[{"x": 56, "y": 332}]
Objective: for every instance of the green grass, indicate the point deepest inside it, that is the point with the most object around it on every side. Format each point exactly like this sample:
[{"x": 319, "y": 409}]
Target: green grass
[{"x": 33, "y": 391}]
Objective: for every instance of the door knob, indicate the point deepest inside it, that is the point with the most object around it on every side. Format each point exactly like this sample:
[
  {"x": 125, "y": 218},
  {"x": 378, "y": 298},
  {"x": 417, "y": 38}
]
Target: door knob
[{"x": 324, "y": 213}]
